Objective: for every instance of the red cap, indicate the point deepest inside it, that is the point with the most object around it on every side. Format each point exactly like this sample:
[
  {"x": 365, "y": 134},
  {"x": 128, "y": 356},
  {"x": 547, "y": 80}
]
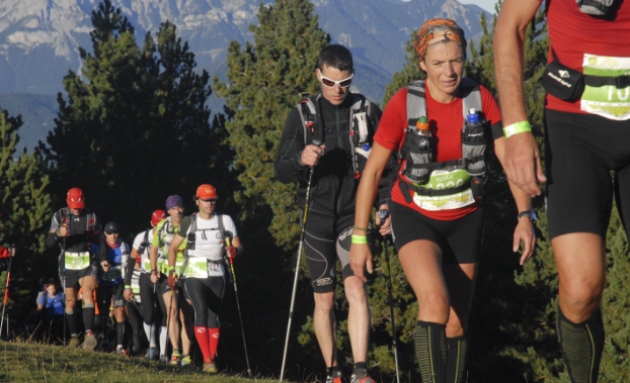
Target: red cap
[
  {"x": 157, "y": 216},
  {"x": 75, "y": 199},
  {"x": 206, "y": 192}
]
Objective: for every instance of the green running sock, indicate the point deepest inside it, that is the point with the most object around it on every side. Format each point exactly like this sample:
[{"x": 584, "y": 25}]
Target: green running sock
[
  {"x": 431, "y": 351},
  {"x": 582, "y": 346},
  {"x": 456, "y": 361}
]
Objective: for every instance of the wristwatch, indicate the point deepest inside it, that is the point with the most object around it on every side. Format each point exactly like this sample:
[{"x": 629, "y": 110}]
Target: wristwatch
[{"x": 527, "y": 213}]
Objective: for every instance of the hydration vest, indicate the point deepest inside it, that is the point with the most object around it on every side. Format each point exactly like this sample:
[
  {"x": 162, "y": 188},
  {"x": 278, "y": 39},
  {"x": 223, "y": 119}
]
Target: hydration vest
[
  {"x": 358, "y": 133},
  {"x": 117, "y": 269},
  {"x": 191, "y": 239},
  {"x": 448, "y": 184}
]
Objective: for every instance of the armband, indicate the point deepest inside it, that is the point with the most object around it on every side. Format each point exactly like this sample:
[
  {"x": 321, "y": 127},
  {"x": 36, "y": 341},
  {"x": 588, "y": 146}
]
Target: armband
[
  {"x": 516, "y": 128},
  {"x": 127, "y": 287},
  {"x": 360, "y": 228},
  {"x": 111, "y": 309},
  {"x": 359, "y": 239}
]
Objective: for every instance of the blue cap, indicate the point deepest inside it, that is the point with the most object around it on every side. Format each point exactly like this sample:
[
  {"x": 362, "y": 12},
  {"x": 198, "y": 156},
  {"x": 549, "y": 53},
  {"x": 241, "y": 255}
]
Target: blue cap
[
  {"x": 366, "y": 147},
  {"x": 472, "y": 117}
]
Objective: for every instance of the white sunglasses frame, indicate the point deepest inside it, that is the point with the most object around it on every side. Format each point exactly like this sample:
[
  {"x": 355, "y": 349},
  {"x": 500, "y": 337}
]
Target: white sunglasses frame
[{"x": 336, "y": 82}]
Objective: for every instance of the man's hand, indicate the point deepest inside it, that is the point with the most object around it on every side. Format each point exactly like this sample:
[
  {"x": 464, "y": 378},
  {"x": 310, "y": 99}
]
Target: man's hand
[
  {"x": 361, "y": 259},
  {"x": 128, "y": 294},
  {"x": 384, "y": 220},
  {"x": 105, "y": 265},
  {"x": 524, "y": 232},
  {"x": 172, "y": 280},
  {"x": 522, "y": 163},
  {"x": 231, "y": 251},
  {"x": 63, "y": 230},
  {"x": 311, "y": 154}
]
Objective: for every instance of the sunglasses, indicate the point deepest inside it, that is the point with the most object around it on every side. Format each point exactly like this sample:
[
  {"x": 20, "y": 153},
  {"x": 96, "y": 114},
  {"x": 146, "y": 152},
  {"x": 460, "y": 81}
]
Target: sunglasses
[{"x": 331, "y": 83}]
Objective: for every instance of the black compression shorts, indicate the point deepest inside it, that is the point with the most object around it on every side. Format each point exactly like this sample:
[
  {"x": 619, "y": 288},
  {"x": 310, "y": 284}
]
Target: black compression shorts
[
  {"x": 105, "y": 294},
  {"x": 459, "y": 239},
  {"x": 206, "y": 295},
  {"x": 328, "y": 238},
  {"x": 70, "y": 278},
  {"x": 581, "y": 151}
]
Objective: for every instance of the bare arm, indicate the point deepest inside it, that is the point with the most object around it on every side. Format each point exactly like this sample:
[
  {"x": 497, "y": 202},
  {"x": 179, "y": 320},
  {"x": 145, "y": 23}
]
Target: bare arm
[
  {"x": 522, "y": 157},
  {"x": 360, "y": 255},
  {"x": 172, "y": 250},
  {"x": 524, "y": 230}
]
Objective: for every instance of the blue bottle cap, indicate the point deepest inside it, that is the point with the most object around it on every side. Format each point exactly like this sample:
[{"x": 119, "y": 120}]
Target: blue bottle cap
[
  {"x": 472, "y": 117},
  {"x": 366, "y": 147}
]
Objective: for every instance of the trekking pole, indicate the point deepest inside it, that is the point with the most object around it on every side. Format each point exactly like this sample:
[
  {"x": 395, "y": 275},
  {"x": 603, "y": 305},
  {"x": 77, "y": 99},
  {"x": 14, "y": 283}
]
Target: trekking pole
[
  {"x": 240, "y": 316},
  {"x": 6, "y": 291},
  {"x": 297, "y": 266},
  {"x": 384, "y": 214},
  {"x": 168, "y": 321}
]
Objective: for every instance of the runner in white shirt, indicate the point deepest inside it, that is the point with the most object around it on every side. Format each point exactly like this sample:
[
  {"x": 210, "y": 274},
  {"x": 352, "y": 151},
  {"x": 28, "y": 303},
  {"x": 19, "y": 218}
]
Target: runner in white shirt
[
  {"x": 148, "y": 293},
  {"x": 208, "y": 235}
]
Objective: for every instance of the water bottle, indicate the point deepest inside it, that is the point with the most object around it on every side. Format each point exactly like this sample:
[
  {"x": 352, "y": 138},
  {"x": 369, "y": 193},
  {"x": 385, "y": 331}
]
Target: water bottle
[
  {"x": 418, "y": 151},
  {"x": 474, "y": 144}
]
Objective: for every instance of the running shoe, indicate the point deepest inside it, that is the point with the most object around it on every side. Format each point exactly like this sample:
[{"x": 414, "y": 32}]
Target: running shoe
[
  {"x": 163, "y": 359},
  {"x": 175, "y": 358},
  {"x": 185, "y": 361},
  {"x": 89, "y": 343},
  {"x": 121, "y": 351},
  {"x": 209, "y": 366},
  {"x": 364, "y": 379},
  {"x": 74, "y": 342},
  {"x": 151, "y": 354},
  {"x": 339, "y": 379}
]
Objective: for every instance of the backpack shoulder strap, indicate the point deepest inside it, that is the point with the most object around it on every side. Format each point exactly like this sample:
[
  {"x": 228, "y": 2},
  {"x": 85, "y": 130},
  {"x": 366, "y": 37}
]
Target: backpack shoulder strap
[
  {"x": 416, "y": 102},
  {"x": 224, "y": 234},
  {"x": 308, "y": 116},
  {"x": 471, "y": 96}
]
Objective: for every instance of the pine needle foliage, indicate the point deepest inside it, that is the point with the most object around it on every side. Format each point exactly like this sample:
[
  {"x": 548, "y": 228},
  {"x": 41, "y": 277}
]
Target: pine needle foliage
[{"x": 265, "y": 81}]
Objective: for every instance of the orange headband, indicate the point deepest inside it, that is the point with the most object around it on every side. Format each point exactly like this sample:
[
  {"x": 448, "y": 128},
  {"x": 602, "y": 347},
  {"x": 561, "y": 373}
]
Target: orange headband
[{"x": 436, "y": 31}]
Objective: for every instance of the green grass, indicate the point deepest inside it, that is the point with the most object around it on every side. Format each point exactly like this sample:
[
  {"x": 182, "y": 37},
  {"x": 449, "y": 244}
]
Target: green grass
[{"x": 22, "y": 362}]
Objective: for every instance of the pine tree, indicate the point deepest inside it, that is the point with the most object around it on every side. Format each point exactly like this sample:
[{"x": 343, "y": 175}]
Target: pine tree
[
  {"x": 25, "y": 206},
  {"x": 137, "y": 128},
  {"x": 265, "y": 81}
]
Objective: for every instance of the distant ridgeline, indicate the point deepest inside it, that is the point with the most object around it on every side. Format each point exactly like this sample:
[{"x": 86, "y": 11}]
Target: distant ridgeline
[
  {"x": 38, "y": 113},
  {"x": 43, "y": 45}
]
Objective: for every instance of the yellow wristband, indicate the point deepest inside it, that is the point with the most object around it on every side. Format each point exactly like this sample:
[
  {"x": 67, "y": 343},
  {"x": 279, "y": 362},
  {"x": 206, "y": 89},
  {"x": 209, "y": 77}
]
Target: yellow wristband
[
  {"x": 359, "y": 239},
  {"x": 516, "y": 128}
]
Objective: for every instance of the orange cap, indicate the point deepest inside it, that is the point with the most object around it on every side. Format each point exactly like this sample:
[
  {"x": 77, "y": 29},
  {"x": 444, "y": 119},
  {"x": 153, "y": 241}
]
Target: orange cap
[
  {"x": 75, "y": 199},
  {"x": 206, "y": 192}
]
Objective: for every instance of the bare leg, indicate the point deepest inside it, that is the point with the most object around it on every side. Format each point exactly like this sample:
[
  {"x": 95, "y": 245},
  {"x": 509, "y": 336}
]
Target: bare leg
[
  {"x": 324, "y": 324},
  {"x": 358, "y": 317},
  {"x": 173, "y": 322},
  {"x": 460, "y": 280},
  {"x": 186, "y": 316}
]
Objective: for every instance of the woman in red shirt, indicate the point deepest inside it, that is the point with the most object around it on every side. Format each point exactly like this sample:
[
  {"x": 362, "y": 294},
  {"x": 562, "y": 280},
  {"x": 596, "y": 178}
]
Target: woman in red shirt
[{"x": 437, "y": 224}]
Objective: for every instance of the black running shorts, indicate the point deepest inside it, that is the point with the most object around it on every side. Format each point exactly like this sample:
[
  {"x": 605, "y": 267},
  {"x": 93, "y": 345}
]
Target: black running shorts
[
  {"x": 581, "y": 151},
  {"x": 206, "y": 295},
  {"x": 70, "y": 278},
  {"x": 105, "y": 294},
  {"x": 326, "y": 239},
  {"x": 459, "y": 239}
]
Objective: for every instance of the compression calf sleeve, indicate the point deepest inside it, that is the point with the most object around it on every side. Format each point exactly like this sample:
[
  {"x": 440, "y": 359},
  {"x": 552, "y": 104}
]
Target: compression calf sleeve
[
  {"x": 120, "y": 333},
  {"x": 213, "y": 338},
  {"x": 431, "y": 351},
  {"x": 88, "y": 317},
  {"x": 582, "y": 346},
  {"x": 201, "y": 333},
  {"x": 456, "y": 360},
  {"x": 71, "y": 319},
  {"x": 149, "y": 331},
  {"x": 163, "y": 336}
]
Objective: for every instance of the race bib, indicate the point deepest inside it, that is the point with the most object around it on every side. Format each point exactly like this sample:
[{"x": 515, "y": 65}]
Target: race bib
[
  {"x": 77, "y": 261},
  {"x": 196, "y": 268},
  {"x": 215, "y": 268},
  {"x": 445, "y": 179},
  {"x": 607, "y": 101},
  {"x": 114, "y": 274}
]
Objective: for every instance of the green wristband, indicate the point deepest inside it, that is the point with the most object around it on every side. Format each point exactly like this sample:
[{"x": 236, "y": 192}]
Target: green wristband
[
  {"x": 359, "y": 239},
  {"x": 359, "y": 228},
  {"x": 516, "y": 128},
  {"x": 128, "y": 287}
]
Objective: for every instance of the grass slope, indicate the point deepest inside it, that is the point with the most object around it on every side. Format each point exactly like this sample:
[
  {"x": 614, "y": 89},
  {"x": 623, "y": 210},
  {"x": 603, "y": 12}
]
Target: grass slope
[{"x": 21, "y": 362}]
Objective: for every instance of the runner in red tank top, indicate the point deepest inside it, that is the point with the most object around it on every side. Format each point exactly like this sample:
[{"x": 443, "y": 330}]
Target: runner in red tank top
[
  {"x": 587, "y": 135},
  {"x": 437, "y": 218}
]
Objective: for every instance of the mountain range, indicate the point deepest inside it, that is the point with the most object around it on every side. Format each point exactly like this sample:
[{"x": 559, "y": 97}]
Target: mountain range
[{"x": 39, "y": 39}]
